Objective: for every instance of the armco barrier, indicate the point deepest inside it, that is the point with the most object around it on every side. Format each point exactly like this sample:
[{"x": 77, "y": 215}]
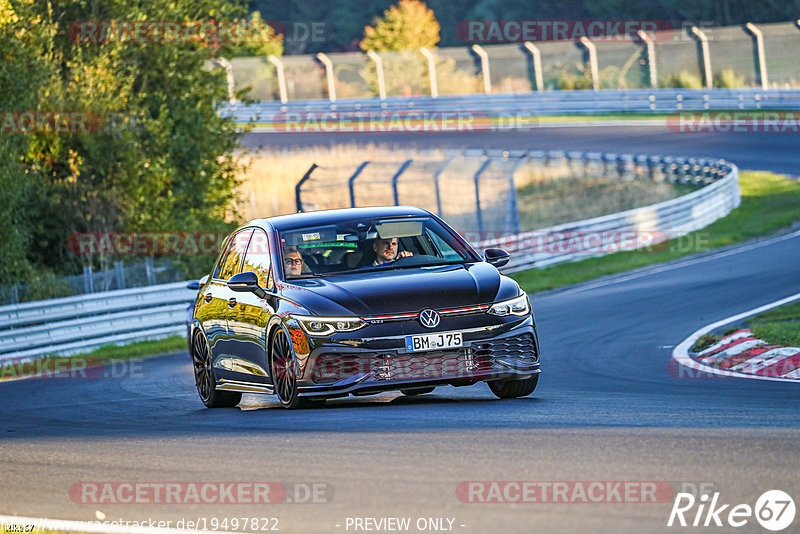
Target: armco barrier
[
  {"x": 78, "y": 324},
  {"x": 272, "y": 116},
  {"x": 667, "y": 220}
]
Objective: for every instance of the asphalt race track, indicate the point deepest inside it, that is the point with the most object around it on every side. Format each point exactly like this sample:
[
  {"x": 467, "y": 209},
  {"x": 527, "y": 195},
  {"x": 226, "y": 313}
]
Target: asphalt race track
[{"x": 608, "y": 406}]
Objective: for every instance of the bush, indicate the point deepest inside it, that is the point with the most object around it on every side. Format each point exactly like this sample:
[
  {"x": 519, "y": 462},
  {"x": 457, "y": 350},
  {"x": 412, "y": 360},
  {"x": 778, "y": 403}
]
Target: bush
[{"x": 681, "y": 80}]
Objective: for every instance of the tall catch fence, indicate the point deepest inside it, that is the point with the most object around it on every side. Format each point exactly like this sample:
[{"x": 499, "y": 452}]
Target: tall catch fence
[{"x": 762, "y": 55}]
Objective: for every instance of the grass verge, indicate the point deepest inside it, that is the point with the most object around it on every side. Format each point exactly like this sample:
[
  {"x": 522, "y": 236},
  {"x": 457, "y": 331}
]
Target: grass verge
[
  {"x": 770, "y": 203},
  {"x": 779, "y": 326},
  {"x": 50, "y": 366}
]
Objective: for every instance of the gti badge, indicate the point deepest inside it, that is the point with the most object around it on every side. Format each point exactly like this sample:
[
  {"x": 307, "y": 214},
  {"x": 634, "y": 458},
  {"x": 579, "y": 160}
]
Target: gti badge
[{"x": 429, "y": 318}]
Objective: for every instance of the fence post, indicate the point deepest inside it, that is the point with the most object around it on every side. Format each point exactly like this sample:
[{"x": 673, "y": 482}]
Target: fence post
[
  {"x": 436, "y": 175},
  {"x": 299, "y": 186},
  {"x": 704, "y": 58},
  {"x": 478, "y": 211},
  {"x": 149, "y": 271},
  {"x": 225, "y": 64},
  {"x": 650, "y": 54},
  {"x": 592, "y": 51},
  {"x": 352, "y": 181},
  {"x": 281, "y": 77},
  {"x": 396, "y": 177},
  {"x": 325, "y": 60},
  {"x": 88, "y": 280},
  {"x": 513, "y": 223},
  {"x": 536, "y": 57},
  {"x": 487, "y": 77},
  {"x": 119, "y": 273},
  {"x": 379, "y": 68},
  {"x": 431, "y": 71},
  {"x": 758, "y": 52},
  {"x": 14, "y": 294}
]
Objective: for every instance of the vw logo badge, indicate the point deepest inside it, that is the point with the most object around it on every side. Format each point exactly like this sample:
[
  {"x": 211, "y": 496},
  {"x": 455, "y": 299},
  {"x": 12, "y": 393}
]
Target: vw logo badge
[{"x": 429, "y": 318}]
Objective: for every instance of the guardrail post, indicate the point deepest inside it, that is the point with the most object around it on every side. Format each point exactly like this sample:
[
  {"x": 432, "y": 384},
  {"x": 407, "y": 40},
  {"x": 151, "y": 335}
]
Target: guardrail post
[
  {"x": 352, "y": 182},
  {"x": 703, "y": 56},
  {"x": 379, "y": 68},
  {"x": 436, "y": 175},
  {"x": 119, "y": 274},
  {"x": 536, "y": 58},
  {"x": 326, "y": 61},
  {"x": 650, "y": 55},
  {"x": 149, "y": 271},
  {"x": 431, "y": 71},
  {"x": 758, "y": 53},
  {"x": 478, "y": 211},
  {"x": 592, "y": 51},
  {"x": 396, "y": 177},
  {"x": 299, "y": 186},
  {"x": 225, "y": 64},
  {"x": 487, "y": 78},
  {"x": 281, "y": 77},
  {"x": 88, "y": 280}
]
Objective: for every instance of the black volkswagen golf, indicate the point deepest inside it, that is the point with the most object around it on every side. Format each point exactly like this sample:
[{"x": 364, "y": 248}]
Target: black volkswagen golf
[{"x": 318, "y": 305}]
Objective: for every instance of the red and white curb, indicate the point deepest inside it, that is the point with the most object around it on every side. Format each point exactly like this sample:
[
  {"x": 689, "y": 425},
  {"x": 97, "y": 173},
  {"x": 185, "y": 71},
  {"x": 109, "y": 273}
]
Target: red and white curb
[{"x": 740, "y": 354}]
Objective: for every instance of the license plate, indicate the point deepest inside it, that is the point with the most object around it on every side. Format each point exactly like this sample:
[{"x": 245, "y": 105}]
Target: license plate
[{"x": 440, "y": 340}]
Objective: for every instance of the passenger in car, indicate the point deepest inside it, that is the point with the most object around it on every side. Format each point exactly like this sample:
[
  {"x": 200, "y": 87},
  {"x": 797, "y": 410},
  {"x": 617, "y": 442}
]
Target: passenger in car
[{"x": 292, "y": 262}]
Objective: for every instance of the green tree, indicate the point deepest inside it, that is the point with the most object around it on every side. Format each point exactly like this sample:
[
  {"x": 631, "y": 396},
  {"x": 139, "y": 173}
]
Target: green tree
[
  {"x": 409, "y": 25},
  {"x": 163, "y": 159}
]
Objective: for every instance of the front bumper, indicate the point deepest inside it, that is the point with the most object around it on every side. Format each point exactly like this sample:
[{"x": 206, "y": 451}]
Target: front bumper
[{"x": 497, "y": 352}]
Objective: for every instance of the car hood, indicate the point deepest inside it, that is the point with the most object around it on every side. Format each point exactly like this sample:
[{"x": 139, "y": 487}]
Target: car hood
[{"x": 402, "y": 290}]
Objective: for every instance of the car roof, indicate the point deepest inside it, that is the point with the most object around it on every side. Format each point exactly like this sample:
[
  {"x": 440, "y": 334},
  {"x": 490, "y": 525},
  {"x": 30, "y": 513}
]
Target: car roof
[{"x": 322, "y": 217}]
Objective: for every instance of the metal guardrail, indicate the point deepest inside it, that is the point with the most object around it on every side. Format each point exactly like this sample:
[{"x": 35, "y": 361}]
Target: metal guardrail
[
  {"x": 275, "y": 115},
  {"x": 78, "y": 324},
  {"x": 658, "y": 222}
]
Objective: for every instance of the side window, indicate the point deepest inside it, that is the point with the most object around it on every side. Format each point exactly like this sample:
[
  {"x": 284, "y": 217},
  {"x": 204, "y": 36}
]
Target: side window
[
  {"x": 257, "y": 258},
  {"x": 221, "y": 260},
  {"x": 236, "y": 250}
]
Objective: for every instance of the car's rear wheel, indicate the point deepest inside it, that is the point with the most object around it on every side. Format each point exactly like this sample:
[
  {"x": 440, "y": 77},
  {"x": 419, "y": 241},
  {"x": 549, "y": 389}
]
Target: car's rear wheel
[
  {"x": 410, "y": 392},
  {"x": 204, "y": 377},
  {"x": 511, "y": 389}
]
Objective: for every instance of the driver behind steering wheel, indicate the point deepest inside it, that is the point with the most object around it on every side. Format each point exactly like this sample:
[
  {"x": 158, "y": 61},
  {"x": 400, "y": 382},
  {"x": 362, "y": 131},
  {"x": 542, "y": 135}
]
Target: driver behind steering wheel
[{"x": 386, "y": 251}]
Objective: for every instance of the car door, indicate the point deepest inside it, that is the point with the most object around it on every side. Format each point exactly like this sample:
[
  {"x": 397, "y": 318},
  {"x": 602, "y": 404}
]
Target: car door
[
  {"x": 247, "y": 323},
  {"x": 222, "y": 303}
]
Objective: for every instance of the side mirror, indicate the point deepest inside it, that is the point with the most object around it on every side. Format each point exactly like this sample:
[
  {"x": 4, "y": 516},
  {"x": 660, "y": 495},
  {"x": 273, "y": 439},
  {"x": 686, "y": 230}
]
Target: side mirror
[
  {"x": 496, "y": 256},
  {"x": 197, "y": 284},
  {"x": 246, "y": 282}
]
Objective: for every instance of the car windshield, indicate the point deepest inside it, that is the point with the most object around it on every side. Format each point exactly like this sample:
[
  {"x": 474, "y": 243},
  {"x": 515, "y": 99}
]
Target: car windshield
[{"x": 369, "y": 245}]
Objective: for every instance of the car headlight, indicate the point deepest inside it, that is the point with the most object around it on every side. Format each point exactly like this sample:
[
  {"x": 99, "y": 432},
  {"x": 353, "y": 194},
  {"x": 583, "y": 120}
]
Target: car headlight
[
  {"x": 516, "y": 306},
  {"x": 325, "y": 326}
]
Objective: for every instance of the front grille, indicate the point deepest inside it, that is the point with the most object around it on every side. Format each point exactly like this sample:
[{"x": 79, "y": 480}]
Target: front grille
[
  {"x": 456, "y": 363},
  {"x": 521, "y": 347},
  {"x": 459, "y": 363}
]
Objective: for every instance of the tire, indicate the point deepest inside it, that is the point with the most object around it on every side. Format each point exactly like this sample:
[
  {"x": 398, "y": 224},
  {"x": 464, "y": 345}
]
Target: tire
[
  {"x": 511, "y": 389},
  {"x": 204, "y": 378},
  {"x": 283, "y": 365},
  {"x": 416, "y": 391}
]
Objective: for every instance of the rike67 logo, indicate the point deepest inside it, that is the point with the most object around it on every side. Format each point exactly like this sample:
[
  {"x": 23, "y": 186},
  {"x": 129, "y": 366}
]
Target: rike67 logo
[{"x": 774, "y": 510}]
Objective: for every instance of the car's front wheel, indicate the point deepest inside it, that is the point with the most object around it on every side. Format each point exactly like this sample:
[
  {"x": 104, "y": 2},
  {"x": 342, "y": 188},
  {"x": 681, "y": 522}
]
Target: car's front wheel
[
  {"x": 204, "y": 377},
  {"x": 511, "y": 389}
]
